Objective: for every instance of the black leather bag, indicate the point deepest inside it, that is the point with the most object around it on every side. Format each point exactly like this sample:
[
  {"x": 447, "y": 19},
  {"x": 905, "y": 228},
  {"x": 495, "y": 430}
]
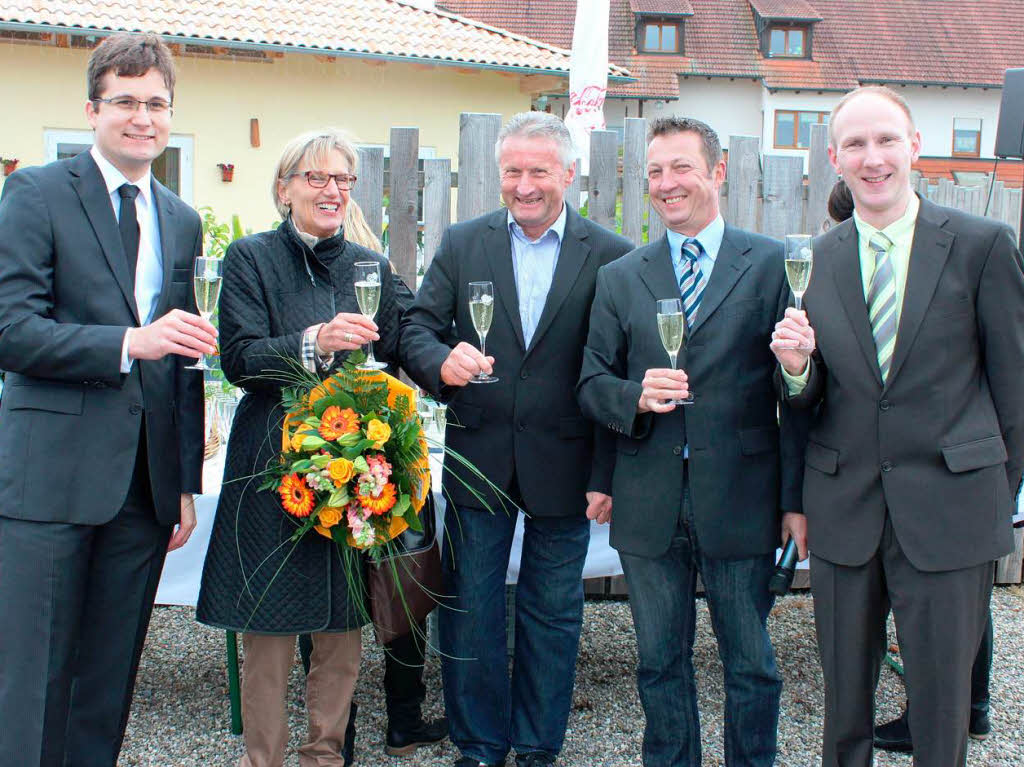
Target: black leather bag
[{"x": 406, "y": 586}]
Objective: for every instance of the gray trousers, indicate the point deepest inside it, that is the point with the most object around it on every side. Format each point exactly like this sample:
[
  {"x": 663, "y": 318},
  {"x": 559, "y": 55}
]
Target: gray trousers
[
  {"x": 75, "y": 602},
  {"x": 940, "y": 618}
]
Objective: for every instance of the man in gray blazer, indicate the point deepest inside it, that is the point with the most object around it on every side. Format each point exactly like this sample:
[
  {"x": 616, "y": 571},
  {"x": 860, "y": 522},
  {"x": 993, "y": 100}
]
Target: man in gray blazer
[
  {"x": 701, "y": 488},
  {"x": 917, "y": 444},
  {"x": 101, "y": 429}
]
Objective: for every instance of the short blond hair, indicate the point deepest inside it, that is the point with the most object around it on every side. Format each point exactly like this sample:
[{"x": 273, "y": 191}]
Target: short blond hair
[
  {"x": 879, "y": 90},
  {"x": 357, "y": 230},
  {"x": 315, "y": 146}
]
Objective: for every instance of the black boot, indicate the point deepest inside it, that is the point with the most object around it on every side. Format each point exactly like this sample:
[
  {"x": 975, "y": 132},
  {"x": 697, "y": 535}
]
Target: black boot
[
  {"x": 894, "y": 735},
  {"x": 404, "y": 738}
]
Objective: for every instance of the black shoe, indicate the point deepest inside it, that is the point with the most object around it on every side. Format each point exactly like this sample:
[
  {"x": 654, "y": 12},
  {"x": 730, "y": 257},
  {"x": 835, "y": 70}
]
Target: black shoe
[
  {"x": 348, "y": 748},
  {"x": 402, "y": 742},
  {"x": 980, "y": 726},
  {"x": 534, "y": 759},
  {"x": 894, "y": 735},
  {"x": 468, "y": 761}
]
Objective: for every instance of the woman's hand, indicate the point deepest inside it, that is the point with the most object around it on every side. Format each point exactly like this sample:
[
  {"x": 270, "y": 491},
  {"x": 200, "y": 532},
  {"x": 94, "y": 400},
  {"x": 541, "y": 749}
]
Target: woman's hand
[{"x": 346, "y": 332}]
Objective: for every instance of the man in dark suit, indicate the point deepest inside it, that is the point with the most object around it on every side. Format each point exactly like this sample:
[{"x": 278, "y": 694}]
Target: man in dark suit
[
  {"x": 526, "y": 434},
  {"x": 917, "y": 445},
  {"x": 101, "y": 430},
  {"x": 698, "y": 489}
]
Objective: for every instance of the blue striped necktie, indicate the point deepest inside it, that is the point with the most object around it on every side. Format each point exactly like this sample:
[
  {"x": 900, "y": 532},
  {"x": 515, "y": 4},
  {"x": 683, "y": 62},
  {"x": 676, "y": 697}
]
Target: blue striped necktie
[{"x": 691, "y": 284}]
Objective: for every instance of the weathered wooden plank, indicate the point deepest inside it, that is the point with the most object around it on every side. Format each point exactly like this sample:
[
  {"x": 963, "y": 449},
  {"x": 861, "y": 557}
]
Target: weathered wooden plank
[
  {"x": 783, "y": 195},
  {"x": 479, "y": 186},
  {"x": 603, "y": 180},
  {"x": 634, "y": 163},
  {"x": 1011, "y": 209},
  {"x": 572, "y": 193},
  {"x": 437, "y": 205},
  {"x": 743, "y": 174},
  {"x": 995, "y": 207},
  {"x": 945, "y": 194},
  {"x": 924, "y": 188},
  {"x": 821, "y": 178},
  {"x": 1008, "y": 569},
  {"x": 655, "y": 226},
  {"x": 369, "y": 188},
  {"x": 403, "y": 228}
]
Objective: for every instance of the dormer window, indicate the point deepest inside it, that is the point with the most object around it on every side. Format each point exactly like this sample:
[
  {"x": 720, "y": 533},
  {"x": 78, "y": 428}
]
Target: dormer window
[
  {"x": 659, "y": 25},
  {"x": 660, "y": 36},
  {"x": 788, "y": 42}
]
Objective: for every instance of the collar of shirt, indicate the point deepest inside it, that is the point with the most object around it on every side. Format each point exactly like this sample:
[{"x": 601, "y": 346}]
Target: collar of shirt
[
  {"x": 114, "y": 179},
  {"x": 710, "y": 239},
  {"x": 901, "y": 233},
  {"x": 558, "y": 228}
]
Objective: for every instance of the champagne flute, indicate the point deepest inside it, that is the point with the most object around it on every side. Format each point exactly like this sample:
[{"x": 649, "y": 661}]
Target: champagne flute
[
  {"x": 368, "y": 298},
  {"x": 799, "y": 261},
  {"x": 481, "y": 310},
  {"x": 672, "y": 329},
  {"x": 206, "y": 283}
]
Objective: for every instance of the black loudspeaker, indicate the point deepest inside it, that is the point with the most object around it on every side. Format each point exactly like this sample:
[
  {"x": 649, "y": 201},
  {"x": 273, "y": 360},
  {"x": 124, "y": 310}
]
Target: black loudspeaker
[{"x": 1010, "y": 133}]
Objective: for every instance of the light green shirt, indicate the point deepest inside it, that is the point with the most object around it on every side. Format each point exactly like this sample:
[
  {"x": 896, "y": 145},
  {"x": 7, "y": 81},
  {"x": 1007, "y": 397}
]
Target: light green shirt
[{"x": 901, "y": 233}]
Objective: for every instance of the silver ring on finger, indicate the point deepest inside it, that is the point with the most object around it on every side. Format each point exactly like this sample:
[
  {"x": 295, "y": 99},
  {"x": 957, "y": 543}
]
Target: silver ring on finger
[{"x": 348, "y": 338}]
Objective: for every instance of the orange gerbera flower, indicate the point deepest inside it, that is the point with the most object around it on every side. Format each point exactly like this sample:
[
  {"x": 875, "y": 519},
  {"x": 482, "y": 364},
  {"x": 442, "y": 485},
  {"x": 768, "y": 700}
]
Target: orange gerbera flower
[
  {"x": 382, "y": 503},
  {"x": 296, "y": 496},
  {"x": 336, "y": 423}
]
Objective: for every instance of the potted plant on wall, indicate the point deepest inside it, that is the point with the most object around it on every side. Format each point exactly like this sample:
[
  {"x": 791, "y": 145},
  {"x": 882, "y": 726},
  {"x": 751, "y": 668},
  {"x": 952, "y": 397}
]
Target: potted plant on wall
[
  {"x": 227, "y": 171},
  {"x": 10, "y": 164}
]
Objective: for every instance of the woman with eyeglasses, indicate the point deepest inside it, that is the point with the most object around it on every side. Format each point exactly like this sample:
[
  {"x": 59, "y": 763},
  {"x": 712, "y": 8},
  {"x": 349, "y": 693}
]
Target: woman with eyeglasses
[{"x": 288, "y": 298}]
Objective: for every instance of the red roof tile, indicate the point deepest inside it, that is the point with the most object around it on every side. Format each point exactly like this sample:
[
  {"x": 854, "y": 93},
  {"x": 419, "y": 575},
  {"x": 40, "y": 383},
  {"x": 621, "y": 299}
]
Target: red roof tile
[
  {"x": 966, "y": 42},
  {"x": 662, "y": 7},
  {"x": 785, "y": 10}
]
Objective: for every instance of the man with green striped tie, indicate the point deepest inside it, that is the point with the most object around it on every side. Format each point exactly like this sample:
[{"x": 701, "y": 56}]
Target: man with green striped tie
[{"x": 916, "y": 452}]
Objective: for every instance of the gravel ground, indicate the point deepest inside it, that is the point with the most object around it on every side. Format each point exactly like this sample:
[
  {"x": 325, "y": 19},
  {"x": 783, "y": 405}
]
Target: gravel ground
[{"x": 180, "y": 717}]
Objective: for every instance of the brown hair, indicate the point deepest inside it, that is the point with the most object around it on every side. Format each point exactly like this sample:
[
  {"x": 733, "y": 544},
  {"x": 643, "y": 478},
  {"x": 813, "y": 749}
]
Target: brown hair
[
  {"x": 840, "y": 202},
  {"x": 879, "y": 90},
  {"x": 711, "y": 146},
  {"x": 129, "y": 55}
]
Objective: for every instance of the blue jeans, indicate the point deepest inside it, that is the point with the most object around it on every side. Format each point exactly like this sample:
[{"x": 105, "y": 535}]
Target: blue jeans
[
  {"x": 489, "y": 713},
  {"x": 661, "y": 596}
]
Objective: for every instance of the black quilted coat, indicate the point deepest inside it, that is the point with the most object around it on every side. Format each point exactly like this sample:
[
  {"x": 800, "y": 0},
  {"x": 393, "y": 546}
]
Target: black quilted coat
[{"x": 254, "y": 578}]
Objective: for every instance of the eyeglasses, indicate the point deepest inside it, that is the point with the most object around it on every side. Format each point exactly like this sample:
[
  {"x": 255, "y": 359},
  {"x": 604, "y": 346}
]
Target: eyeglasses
[
  {"x": 318, "y": 180},
  {"x": 130, "y": 105}
]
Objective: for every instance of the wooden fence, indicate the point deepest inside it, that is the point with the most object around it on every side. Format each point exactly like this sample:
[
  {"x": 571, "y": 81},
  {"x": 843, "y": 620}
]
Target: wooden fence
[{"x": 772, "y": 196}]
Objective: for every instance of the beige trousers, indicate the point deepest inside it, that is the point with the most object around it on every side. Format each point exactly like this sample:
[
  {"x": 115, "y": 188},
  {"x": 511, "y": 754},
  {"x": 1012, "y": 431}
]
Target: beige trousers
[{"x": 333, "y": 669}]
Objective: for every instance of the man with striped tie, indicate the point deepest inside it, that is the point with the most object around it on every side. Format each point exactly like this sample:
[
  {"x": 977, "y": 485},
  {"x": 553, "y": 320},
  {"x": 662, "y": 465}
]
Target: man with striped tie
[
  {"x": 709, "y": 487},
  {"x": 916, "y": 451}
]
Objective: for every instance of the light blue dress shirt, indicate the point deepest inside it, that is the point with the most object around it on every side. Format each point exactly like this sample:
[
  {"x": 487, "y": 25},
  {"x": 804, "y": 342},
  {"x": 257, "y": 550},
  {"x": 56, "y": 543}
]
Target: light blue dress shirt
[
  {"x": 710, "y": 239},
  {"x": 534, "y": 262},
  {"x": 149, "y": 274}
]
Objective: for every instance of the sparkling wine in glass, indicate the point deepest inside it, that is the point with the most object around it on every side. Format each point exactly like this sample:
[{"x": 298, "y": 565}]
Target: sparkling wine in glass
[
  {"x": 672, "y": 329},
  {"x": 481, "y": 310},
  {"x": 206, "y": 282},
  {"x": 368, "y": 298},
  {"x": 799, "y": 261}
]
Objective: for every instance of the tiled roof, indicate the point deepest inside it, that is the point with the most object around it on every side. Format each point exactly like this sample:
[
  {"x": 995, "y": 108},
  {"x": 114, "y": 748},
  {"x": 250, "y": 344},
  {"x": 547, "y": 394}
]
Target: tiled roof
[
  {"x": 955, "y": 42},
  {"x": 785, "y": 10},
  {"x": 662, "y": 7},
  {"x": 384, "y": 28}
]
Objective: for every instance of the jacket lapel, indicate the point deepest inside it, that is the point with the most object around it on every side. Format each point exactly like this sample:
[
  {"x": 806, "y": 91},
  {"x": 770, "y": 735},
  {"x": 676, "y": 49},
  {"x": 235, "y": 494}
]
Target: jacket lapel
[
  {"x": 88, "y": 183},
  {"x": 928, "y": 256},
  {"x": 498, "y": 251},
  {"x": 730, "y": 265},
  {"x": 657, "y": 273},
  {"x": 850, "y": 286},
  {"x": 168, "y": 242},
  {"x": 571, "y": 256}
]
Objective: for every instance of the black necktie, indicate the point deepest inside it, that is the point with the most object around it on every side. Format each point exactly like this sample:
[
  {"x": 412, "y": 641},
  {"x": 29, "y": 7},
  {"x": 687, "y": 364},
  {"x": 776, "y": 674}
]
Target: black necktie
[{"x": 128, "y": 223}]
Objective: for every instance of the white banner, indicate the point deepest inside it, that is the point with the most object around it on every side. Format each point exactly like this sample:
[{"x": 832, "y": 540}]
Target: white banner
[{"x": 588, "y": 75}]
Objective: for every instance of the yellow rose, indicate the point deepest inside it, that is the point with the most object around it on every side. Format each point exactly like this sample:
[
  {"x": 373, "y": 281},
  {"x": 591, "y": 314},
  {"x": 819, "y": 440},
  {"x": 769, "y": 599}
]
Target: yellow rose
[
  {"x": 341, "y": 470},
  {"x": 329, "y": 516},
  {"x": 379, "y": 432},
  {"x": 297, "y": 440}
]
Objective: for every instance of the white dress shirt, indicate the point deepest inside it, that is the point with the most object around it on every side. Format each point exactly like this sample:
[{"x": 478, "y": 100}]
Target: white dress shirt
[
  {"x": 534, "y": 262},
  {"x": 149, "y": 276}
]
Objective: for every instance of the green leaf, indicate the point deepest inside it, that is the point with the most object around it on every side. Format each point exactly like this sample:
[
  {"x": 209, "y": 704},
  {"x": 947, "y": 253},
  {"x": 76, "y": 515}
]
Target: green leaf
[
  {"x": 313, "y": 443},
  {"x": 360, "y": 464},
  {"x": 304, "y": 465},
  {"x": 321, "y": 461},
  {"x": 401, "y": 506},
  {"x": 414, "y": 522},
  {"x": 339, "y": 497}
]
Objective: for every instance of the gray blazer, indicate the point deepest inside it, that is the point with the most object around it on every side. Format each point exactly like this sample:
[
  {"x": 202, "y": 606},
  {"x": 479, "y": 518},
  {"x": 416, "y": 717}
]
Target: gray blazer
[
  {"x": 940, "y": 445},
  {"x": 745, "y": 463}
]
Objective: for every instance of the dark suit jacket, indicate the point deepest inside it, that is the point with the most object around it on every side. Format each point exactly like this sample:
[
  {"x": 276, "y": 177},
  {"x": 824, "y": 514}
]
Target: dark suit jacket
[
  {"x": 527, "y": 425},
  {"x": 941, "y": 444},
  {"x": 69, "y": 420},
  {"x": 743, "y": 468}
]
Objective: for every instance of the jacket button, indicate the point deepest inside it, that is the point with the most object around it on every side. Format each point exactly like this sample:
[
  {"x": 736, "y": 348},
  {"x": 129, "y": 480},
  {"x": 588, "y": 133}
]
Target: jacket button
[
  {"x": 887, "y": 466},
  {"x": 521, "y": 426},
  {"x": 677, "y": 450},
  {"x": 524, "y": 375},
  {"x": 99, "y": 385},
  {"x": 135, "y": 408},
  {"x": 884, "y": 405}
]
